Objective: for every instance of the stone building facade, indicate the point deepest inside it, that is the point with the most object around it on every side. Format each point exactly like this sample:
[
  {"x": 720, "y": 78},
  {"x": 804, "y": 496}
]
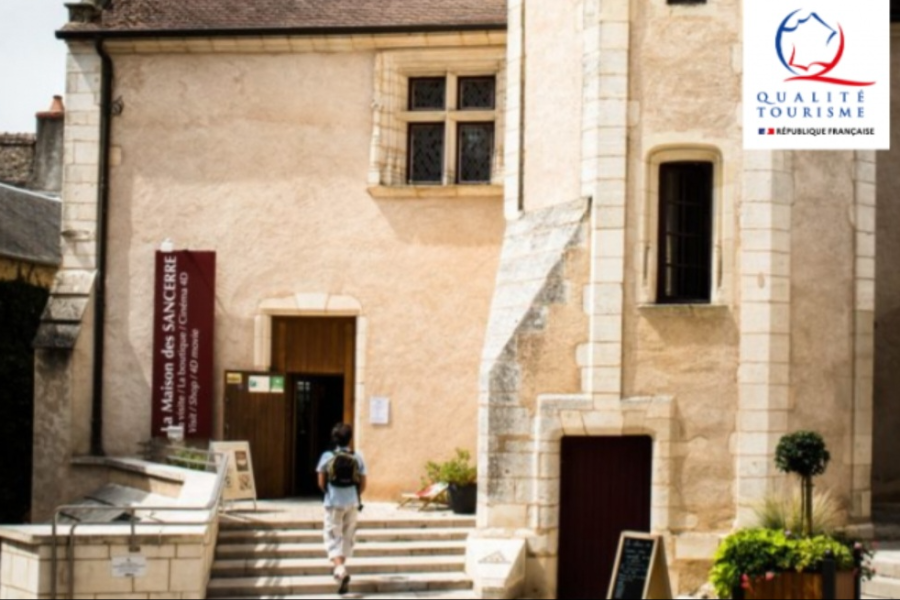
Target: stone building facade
[{"x": 515, "y": 315}]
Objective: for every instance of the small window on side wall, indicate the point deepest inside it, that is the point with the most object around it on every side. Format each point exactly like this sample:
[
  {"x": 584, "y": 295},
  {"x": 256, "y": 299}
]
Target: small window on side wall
[{"x": 685, "y": 233}]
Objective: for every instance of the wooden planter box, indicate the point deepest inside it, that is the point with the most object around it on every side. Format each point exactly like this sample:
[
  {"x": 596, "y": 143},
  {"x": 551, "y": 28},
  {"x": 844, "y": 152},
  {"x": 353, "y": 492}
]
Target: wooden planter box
[{"x": 798, "y": 585}]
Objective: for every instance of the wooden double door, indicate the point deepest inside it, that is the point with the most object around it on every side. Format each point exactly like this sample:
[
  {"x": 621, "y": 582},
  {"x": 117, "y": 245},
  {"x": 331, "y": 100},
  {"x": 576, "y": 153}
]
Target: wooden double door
[
  {"x": 605, "y": 490},
  {"x": 287, "y": 414}
]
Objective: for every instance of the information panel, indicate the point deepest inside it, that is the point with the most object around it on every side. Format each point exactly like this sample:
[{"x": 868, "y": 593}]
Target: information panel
[{"x": 183, "y": 327}]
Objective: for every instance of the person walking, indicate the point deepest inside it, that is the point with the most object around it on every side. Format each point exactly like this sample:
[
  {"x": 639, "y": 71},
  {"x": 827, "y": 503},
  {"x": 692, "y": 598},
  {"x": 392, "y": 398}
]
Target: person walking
[{"x": 342, "y": 478}]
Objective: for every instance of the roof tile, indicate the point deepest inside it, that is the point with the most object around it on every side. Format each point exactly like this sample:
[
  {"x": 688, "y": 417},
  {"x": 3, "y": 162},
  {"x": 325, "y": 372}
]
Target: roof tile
[{"x": 218, "y": 15}]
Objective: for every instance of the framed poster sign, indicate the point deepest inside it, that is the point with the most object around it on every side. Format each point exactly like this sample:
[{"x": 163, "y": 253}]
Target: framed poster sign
[{"x": 239, "y": 482}]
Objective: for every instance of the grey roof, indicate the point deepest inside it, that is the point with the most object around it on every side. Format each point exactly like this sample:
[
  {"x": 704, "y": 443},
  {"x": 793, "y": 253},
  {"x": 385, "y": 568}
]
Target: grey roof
[
  {"x": 217, "y": 17},
  {"x": 29, "y": 226}
]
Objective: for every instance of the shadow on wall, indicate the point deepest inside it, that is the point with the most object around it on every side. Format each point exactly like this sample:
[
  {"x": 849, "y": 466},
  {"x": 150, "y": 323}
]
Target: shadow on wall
[
  {"x": 460, "y": 222},
  {"x": 21, "y": 306}
]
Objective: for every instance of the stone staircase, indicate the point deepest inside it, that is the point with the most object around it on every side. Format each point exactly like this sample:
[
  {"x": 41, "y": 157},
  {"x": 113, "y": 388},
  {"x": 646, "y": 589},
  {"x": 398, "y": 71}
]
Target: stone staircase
[
  {"x": 394, "y": 558},
  {"x": 886, "y": 583}
]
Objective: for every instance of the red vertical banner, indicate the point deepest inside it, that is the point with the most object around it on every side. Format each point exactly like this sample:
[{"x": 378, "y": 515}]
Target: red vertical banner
[{"x": 183, "y": 328}]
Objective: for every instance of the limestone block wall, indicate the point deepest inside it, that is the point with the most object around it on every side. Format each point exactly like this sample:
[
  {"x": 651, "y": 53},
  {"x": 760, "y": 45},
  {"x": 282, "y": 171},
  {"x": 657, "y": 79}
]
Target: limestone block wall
[
  {"x": 178, "y": 559},
  {"x": 64, "y": 356}
]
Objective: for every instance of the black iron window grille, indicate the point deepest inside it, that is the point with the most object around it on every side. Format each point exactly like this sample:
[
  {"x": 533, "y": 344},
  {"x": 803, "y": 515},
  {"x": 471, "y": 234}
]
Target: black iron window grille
[
  {"x": 685, "y": 233},
  {"x": 476, "y": 150},
  {"x": 426, "y": 152},
  {"x": 477, "y": 93},
  {"x": 428, "y": 93}
]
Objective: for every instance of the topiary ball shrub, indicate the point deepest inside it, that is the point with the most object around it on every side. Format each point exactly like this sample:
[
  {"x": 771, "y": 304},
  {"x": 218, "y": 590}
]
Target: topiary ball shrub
[{"x": 803, "y": 453}]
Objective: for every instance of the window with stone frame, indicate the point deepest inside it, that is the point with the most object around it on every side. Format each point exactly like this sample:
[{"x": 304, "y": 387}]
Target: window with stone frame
[
  {"x": 471, "y": 142},
  {"x": 685, "y": 245},
  {"x": 438, "y": 121}
]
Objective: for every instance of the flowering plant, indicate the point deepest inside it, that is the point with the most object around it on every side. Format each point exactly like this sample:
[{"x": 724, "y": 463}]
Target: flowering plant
[{"x": 752, "y": 555}]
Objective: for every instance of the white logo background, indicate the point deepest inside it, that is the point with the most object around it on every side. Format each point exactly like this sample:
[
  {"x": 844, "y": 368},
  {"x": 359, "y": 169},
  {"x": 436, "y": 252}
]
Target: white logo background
[{"x": 814, "y": 115}]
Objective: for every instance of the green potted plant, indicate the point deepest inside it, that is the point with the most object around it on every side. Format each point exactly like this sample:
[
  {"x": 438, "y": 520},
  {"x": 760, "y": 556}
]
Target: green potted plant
[
  {"x": 774, "y": 562},
  {"x": 461, "y": 477},
  {"x": 804, "y": 454}
]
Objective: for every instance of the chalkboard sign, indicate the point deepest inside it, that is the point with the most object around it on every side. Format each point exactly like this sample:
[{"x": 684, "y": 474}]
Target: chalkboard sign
[{"x": 640, "y": 570}]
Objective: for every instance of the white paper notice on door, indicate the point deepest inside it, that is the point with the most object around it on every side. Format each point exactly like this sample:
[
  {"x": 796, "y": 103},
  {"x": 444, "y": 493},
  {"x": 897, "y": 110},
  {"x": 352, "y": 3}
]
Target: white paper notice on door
[
  {"x": 260, "y": 384},
  {"x": 379, "y": 410}
]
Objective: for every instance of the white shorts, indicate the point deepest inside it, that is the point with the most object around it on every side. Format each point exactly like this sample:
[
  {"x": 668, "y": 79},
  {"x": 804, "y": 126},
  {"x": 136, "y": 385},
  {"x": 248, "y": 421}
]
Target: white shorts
[{"x": 340, "y": 529}]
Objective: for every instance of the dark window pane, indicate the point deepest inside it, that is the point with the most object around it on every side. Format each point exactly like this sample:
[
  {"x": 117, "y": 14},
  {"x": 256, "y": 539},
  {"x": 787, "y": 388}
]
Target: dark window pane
[
  {"x": 476, "y": 149},
  {"x": 428, "y": 93},
  {"x": 426, "y": 153},
  {"x": 685, "y": 230},
  {"x": 477, "y": 93}
]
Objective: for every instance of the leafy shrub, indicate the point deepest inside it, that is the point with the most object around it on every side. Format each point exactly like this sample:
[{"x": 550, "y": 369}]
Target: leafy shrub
[
  {"x": 456, "y": 471},
  {"x": 803, "y": 453},
  {"x": 753, "y": 554}
]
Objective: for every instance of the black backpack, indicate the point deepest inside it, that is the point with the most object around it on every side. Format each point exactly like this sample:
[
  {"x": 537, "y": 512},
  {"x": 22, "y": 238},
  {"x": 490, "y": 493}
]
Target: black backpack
[{"x": 343, "y": 470}]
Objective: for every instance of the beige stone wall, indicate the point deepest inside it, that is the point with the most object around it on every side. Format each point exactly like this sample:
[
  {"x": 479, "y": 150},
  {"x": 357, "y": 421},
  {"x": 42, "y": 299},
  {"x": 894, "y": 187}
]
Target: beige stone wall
[
  {"x": 822, "y": 307},
  {"x": 886, "y": 476},
  {"x": 178, "y": 559},
  {"x": 264, "y": 158},
  {"x": 553, "y": 94},
  {"x": 678, "y": 56}
]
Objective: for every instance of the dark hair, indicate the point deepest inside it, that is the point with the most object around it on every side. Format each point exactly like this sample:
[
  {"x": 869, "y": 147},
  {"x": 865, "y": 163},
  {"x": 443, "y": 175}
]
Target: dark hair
[{"x": 341, "y": 434}]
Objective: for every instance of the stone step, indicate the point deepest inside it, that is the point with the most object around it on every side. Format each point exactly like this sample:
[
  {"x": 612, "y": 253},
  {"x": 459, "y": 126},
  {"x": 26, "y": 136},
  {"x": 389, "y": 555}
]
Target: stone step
[
  {"x": 312, "y": 536},
  {"x": 887, "y": 565},
  {"x": 321, "y": 567},
  {"x": 232, "y": 524},
  {"x": 453, "y": 595},
  {"x": 391, "y": 583},
  {"x": 881, "y": 587},
  {"x": 317, "y": 550}
]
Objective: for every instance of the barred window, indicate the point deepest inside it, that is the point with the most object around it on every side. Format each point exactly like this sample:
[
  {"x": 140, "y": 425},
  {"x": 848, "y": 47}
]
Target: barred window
[
  {"x": 427, "y": 93},
  {"x": 442, "y": 148},
  {"x": 426, "y": 152},
  {"x": 477, "y": 93},
  {"x": 685, "y": 233},
  {"x": 476, "y": 148}
]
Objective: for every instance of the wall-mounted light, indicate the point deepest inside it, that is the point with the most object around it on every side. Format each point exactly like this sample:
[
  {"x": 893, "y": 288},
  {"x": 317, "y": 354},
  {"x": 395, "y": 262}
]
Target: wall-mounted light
[{"x": 167, "y": 245}]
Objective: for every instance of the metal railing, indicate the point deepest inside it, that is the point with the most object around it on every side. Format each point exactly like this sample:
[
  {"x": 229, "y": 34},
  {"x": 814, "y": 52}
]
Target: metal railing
[{"x": 213, "y": 462}]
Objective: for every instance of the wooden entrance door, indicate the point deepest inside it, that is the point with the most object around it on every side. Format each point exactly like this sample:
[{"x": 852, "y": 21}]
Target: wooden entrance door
[
  {"x": 319, "y": 355},
  {"x": 313, "y": 346},
  {"x": 259, "y": 417},
  {"x": 606, "y": 489}
]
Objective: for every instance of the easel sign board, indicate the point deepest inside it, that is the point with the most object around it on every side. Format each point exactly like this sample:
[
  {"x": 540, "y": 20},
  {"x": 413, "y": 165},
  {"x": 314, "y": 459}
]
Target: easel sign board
[
  {"x": 640, "y": 570},
  {"x": 239, "y": 482}
]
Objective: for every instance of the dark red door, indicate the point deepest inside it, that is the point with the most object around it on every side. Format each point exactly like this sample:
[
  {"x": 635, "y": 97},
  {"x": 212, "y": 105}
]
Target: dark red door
[{"x": 606, "y": 489}]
